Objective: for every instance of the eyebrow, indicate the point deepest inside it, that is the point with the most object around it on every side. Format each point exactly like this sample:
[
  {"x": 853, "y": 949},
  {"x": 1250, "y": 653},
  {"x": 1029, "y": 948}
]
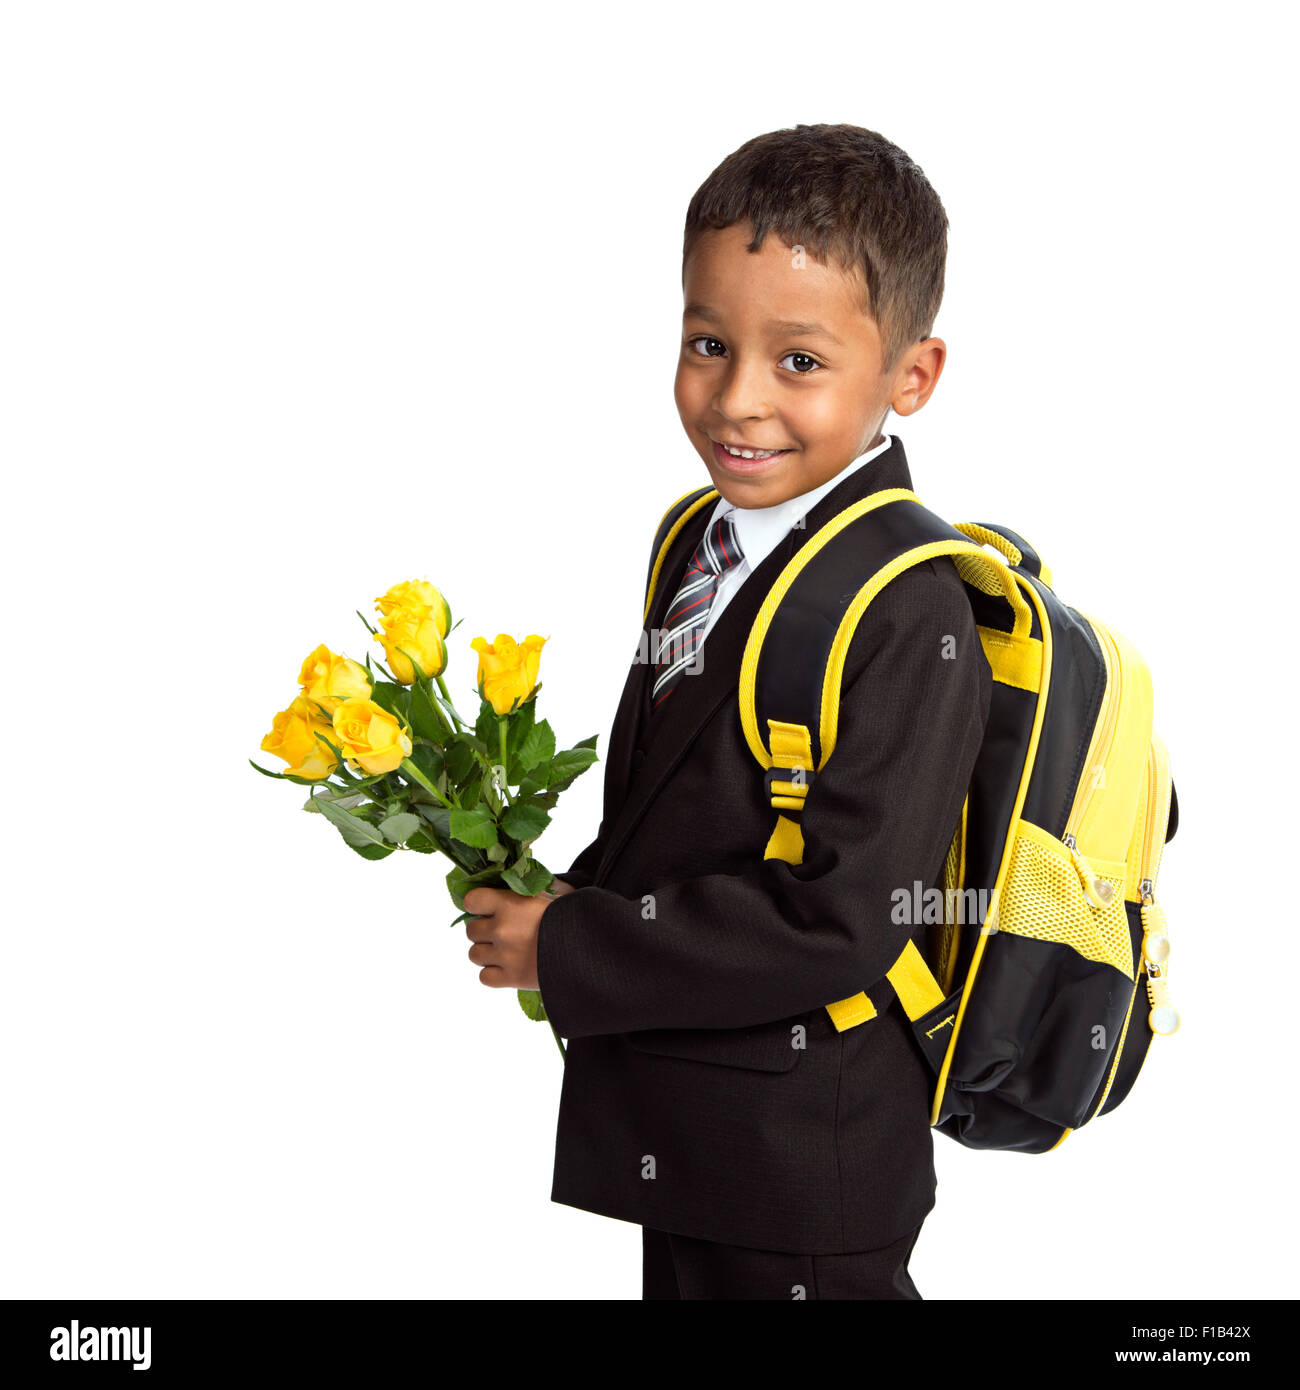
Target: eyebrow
[{"x": 702, "y": 311}]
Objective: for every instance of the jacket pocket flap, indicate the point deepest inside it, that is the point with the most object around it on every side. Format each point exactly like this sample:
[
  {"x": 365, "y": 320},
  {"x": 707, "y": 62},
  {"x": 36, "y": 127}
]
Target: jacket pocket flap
[{"x": 766, "y": 1047}]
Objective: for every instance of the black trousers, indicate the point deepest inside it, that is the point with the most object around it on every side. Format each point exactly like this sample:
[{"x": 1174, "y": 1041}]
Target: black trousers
[{"x": 675, "y": 1266}]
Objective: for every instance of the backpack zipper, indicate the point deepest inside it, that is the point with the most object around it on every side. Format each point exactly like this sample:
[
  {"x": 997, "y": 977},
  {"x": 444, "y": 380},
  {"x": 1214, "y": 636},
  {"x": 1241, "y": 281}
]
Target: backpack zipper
[
  {"x": 1157, "y": 805},
  {"x": 1103, "y": 735},
  {"x": 1164, "y": 1017},
  {"x": 1155, "y": 941}
]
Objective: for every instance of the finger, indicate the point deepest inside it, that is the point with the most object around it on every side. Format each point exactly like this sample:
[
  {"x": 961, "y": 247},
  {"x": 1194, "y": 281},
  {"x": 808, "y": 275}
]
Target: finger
[
  {"x": 484, "y": 954},
  {"x": 479, "y": 929},
  {"x": 481, "y": 900},
  {"x": 493, "y": 976}
]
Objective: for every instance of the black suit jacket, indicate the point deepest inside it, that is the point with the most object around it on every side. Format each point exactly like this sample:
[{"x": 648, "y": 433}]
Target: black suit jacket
[{"x": 681, "y": 965}]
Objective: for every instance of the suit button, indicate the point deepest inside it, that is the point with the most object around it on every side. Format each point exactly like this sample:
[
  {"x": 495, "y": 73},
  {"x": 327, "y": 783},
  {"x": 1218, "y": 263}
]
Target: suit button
[{"x": 638, "y": 757}]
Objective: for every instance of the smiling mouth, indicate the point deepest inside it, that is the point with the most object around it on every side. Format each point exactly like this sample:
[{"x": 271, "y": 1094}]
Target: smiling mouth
[{"x": 744, "y": 451}]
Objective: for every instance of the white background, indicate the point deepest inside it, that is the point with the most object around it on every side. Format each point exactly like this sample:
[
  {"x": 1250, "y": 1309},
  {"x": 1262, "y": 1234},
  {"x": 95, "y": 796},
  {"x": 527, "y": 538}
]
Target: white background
[{"x": 301, "y": 300}]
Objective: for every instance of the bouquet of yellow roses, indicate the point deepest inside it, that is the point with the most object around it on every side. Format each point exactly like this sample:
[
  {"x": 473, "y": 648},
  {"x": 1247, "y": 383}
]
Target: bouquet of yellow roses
[{"x": 393, "y": 766}]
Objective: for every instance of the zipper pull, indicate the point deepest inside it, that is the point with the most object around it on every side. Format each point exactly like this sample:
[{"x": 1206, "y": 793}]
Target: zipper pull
[
  {"x": 1098, "y": 891},
  {"x": 1164, "y": 1018}
]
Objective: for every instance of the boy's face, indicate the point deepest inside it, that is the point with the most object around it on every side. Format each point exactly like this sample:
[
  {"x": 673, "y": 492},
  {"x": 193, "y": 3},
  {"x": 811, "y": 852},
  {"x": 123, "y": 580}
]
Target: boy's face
[{"x": 777, "y": 354}]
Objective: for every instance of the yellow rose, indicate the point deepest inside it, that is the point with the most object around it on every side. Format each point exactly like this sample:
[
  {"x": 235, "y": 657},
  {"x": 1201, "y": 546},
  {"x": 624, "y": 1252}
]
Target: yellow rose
[
  {"x": 293, "y": 738},
  {"x": 370, "y": 737},
  {"x": 328, "y": 679},
  {"x": 417, "y": 594},
  {"x": 507, "y": 670},
  {"x": 414, "y": 634}
]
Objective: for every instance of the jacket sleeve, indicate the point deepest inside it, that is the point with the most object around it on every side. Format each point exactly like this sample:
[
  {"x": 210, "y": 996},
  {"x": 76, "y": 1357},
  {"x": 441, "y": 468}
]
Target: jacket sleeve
[{"x": 737, "y": 950}]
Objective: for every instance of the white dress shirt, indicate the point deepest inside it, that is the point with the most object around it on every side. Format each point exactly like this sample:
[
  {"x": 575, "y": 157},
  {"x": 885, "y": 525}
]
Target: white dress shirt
[{"x": 760, "y": 529}]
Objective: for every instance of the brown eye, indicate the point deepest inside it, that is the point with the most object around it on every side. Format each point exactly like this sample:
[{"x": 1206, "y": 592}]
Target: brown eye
[
  {"x": 709, "y": 344},
  {"x": 801, "y": 357}
]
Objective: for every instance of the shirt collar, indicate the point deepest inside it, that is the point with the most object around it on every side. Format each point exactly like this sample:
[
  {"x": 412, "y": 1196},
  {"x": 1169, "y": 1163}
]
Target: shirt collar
[{"x": 760, "y": 529}]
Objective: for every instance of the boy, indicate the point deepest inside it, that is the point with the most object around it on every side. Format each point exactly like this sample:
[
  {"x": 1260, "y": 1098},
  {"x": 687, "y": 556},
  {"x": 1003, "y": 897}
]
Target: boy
[{"x": 707, "y": 1096}]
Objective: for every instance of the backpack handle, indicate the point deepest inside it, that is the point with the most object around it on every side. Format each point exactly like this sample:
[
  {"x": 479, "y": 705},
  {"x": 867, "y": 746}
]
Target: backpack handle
[{"x": 1009, "y": 543}]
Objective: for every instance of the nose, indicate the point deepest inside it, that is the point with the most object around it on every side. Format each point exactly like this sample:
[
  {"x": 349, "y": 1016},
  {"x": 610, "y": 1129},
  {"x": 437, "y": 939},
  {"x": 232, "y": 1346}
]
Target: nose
[{"x": 741, "y": 392}]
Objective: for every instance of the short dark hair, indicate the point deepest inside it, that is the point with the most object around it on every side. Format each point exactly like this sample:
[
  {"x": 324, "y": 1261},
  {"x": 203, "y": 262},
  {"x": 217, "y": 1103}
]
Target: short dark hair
[{"x": 843, "y": 193}]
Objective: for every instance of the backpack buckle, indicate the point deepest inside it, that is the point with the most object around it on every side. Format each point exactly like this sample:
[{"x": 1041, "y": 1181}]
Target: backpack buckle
[{"x": 797, "y": 776}]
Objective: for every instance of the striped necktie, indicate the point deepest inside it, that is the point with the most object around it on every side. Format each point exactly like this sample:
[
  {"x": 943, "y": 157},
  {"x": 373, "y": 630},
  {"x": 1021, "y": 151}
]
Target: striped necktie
[{"x": 685, "y": 620}]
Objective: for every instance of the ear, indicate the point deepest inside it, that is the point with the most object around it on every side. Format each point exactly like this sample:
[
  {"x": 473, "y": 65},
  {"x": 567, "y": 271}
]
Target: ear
[{"x": 917, "y": 376}]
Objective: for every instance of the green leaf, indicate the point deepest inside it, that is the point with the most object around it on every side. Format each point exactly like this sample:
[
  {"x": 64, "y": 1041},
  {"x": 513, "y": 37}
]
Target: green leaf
[
  {"x": 588, "y": 742},
  {"x": 439, "y": 817},
  {"x": 374, "y": 851},
  {"x": 485, "y": 726},
  {"x": 459, "y": 755},
  {"x": 566, "y": 766},
  {"x": 439, "y": 821},
  {"x": 537, "y": 879},
  {"x": 424, "y": 718},
  {"x": 286, "y": 776},
  {"x": 398, "y": 829},
  {"x": 428, "y": 758},
  {"x": 458, "y": 885},
  {"x": 422, "y": 842},
  {"x": 357, "y": 832},
  {"x": 530, "y": 1001},
  {"x": 475, "y": 828},
  {"x": 522, "y": 720},
  {"x": 396, "y": 699},
  {"x": 536, "y": 748},
  {"x": 471, "y": 791},
  {"x": 524, "y": 822}
]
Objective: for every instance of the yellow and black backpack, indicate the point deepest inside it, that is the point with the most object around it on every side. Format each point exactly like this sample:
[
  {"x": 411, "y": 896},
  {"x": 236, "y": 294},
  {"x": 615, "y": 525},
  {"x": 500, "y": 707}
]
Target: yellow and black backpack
[{"x": 1044, "y": 973}]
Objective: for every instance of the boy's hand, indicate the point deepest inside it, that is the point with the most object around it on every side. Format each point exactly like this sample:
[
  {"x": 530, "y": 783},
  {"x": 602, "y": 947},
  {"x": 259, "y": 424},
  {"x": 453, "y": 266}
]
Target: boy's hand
[{"x": 504, "y": 933}]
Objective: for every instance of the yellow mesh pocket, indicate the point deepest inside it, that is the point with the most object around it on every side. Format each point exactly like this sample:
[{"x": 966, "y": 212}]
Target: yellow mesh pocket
[{"x": 1043, "y": 897}]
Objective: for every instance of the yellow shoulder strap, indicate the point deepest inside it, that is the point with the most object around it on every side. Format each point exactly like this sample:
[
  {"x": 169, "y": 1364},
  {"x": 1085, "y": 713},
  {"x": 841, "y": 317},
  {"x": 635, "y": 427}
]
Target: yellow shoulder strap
[
  {"x": 705, "y": 500},
  {"x": 787, "y": 747}
]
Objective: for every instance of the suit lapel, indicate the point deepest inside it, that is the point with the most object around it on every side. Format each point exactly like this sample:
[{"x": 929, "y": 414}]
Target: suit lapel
[{"x": 698, "y": 696}]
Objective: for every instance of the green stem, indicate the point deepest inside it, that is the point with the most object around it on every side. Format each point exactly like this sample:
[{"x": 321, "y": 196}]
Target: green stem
[
  {"x": 442, "y": 685},
  {"x": 564, "y": 1056},
  {"x": 439, "y": 713},
  {"x": 490, "y": 871},
  {"x": 414, "y": 773},
  {"x": 501, "y": 730}
]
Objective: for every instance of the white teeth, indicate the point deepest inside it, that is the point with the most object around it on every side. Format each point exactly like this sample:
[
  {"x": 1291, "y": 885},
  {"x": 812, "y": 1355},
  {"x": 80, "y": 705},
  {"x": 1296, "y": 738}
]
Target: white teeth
[{"x": 750, "y": 453}]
